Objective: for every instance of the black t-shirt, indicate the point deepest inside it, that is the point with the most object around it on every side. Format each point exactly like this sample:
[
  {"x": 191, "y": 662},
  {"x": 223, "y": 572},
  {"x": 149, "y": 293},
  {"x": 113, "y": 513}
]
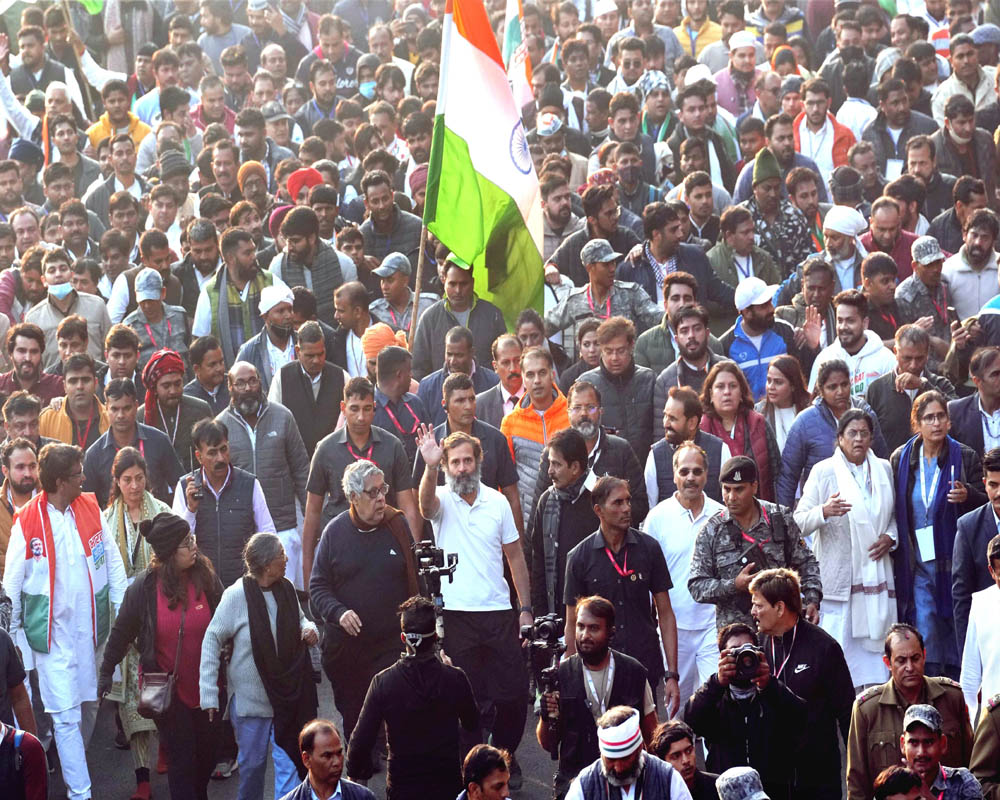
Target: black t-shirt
[{"x": 12, "y": 672}]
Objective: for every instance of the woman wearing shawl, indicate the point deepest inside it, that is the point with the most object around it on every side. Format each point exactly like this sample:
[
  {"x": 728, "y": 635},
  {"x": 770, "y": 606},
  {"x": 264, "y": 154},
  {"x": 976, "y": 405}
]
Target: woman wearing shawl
[
  {"x": 728, "y": 413},
  {"x": 785, "y": 62},
  {"x": 937, "y": 480},
  {"x": 270, "y": 675},
  {"x": 848, "y": 502},
  {"x": 130, "y": 504}
]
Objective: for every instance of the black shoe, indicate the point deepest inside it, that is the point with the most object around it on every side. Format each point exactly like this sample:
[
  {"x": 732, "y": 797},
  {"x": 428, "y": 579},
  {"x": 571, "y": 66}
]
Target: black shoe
[
  {"x": 516, "y": 778},
  {"x": 50, "y": 760},
  {"x": 121, "y": 741}
]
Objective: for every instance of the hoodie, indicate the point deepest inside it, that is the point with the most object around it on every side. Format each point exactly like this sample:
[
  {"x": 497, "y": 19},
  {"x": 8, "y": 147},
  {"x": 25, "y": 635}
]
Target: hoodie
[{"x": 872, "y": 361}]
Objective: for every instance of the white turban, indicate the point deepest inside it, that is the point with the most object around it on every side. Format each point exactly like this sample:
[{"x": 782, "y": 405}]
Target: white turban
[
  {"x": 621, "y": 740},
  {"x": 845, "y": 220},
  {"x": 270, "y": 296}
]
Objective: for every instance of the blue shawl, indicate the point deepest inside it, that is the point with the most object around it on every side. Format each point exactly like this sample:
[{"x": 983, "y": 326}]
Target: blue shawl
[{"x": 944, "y": 516}]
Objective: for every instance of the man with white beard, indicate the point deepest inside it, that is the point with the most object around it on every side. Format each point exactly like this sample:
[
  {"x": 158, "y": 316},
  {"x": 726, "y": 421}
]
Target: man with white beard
[{"x": 481, "y": 634}]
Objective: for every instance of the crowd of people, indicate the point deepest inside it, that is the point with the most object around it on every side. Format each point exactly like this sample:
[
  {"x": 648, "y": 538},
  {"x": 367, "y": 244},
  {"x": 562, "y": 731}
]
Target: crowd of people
[{"x": 744, "y": 462}]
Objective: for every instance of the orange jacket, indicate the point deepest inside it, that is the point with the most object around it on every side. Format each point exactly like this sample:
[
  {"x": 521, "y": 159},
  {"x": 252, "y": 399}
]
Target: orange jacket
[{"x": 843, "y": 138}]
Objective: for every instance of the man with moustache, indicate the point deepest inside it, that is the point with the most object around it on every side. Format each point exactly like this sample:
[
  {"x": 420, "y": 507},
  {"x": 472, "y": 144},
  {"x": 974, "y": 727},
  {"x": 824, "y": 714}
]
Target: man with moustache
[
  {"x": 19, "y": 459},
  {"x": 595, "y": 678},
  {"x": 25, "y": 346},
  {"x": 274, "y": 346},
  {"x": 675, "y": 523},
  {"x": 167, "y": 408},
  {"x": 495, "y": 403},
  {"x": 607, "y": 454},
  {"x": 264, "y": 440}
]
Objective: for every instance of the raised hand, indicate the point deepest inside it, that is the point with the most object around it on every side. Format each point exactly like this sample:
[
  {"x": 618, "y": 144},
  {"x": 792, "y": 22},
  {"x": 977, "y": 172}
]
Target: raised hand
[{"x": 428, "y": 446}]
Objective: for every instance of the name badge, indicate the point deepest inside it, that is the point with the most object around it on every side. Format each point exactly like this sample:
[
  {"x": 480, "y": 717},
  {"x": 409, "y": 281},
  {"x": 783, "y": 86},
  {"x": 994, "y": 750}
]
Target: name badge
[
  {"x": 893, "y": 168},
  {"x": 925, "y": 542},
  {"x": 591, "y": 481}
]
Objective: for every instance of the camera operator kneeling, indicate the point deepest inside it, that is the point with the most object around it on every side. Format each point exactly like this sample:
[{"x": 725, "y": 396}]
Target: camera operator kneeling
[
  {"x": 593, "y": 680},
  {"x": 746, "y": 718}
]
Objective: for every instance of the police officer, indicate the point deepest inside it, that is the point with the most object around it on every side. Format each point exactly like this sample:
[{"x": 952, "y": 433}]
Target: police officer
[
  {"x": 877, "y": 717},
  {"x": 985, "y": 763},
  {"x": 747, "y": 536}
]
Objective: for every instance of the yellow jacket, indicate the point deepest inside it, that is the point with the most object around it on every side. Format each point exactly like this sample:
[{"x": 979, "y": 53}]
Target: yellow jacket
[
  {"x": 101, "y": 129},
  {"x": 54, "y": 424}
]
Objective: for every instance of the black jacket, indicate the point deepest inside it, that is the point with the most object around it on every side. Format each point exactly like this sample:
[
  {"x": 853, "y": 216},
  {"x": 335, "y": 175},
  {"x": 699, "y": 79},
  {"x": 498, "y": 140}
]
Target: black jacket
[
  {"x": 893, "y": 408},
  {"x": 947, "y": 230},
  {"x": 567, "y": 256},
  {"x": 969, "y": 572},
  {"x": 421, "y": 701},
  {"x": 967, "y": 422},
  {"x": 938, "y": 194},
  {"x": 690, "y": 258},
  {"x": 815, "y": 670},
  {"x": 136, "y": 623},
  {"x": 763, "y": 732}
]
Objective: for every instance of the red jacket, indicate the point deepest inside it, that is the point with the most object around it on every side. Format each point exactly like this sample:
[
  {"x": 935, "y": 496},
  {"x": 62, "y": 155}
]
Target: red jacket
[{"x": 843, "y": 138}]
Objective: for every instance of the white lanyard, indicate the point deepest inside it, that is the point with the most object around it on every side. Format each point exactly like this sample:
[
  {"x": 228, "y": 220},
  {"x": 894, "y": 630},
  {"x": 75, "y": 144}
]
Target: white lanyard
[
  {"x": 609, "y": 681},
  {"x": 788, "y": 655},
  {"x": 923, "y": 487},
  {"x": 163, "y": 419}
]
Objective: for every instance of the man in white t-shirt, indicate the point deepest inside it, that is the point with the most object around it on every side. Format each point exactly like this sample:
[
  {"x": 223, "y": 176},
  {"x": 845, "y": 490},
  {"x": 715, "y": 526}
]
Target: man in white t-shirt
[
  {"x": 476, "y": 522},
  {"x": 674, "y": 523}
]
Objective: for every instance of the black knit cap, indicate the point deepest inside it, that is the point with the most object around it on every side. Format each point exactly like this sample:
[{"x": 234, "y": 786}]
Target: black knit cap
[{"x": 164, "y": 532}]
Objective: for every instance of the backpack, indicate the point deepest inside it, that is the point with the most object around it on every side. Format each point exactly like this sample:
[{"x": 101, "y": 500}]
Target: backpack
[{"x": 12, "y": 762}]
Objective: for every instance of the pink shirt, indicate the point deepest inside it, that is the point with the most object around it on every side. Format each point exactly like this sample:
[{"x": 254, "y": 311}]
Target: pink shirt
[{"x": 168, "y": 623}]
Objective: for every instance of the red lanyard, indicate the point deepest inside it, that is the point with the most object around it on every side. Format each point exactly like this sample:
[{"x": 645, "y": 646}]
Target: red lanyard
[
  {"x": 86, "y": 433},
  {"x": 366, "y": 457},
  {"x": 149, "y": 333},
  {"x": 623, "y": 570},
  {"x": 590, "y": 301},
  {"x": 944, "y": 301},
  {"x": 747, "y": 537},
  {"x": 393, "y": 315},
  {"x": 888, "y": 318},
  {"x": 416, "y": 422}
]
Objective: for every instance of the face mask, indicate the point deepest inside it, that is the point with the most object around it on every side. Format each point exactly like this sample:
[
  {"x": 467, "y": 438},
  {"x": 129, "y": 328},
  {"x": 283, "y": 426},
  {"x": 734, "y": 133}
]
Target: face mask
[
  {"x": 282, "y": 331},
  {"x": 367, "y": 89},
  {"x": 60, "y": 291},
  {"x": 957, "y": 138},
  {"x": 629, "y": 175}
]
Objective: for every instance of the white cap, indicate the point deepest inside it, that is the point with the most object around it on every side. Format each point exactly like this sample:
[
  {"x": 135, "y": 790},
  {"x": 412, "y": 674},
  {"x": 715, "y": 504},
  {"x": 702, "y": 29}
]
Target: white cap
[
  {"x": 741, "y": 39},
  {"x": 270, "y": 296},
  {"x": 847, "y": 221},
  {"x": 605, "y": 7},
  {"x": 752, "y": 291},
  {"x": 699, "y": 72}
]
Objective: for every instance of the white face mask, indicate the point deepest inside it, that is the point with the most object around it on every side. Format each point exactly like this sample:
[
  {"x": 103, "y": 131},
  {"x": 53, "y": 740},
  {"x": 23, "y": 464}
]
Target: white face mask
[{"x": 957, "y": 138}]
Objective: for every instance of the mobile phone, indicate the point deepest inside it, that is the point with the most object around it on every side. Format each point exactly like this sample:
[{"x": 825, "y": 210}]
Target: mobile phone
[
  {"x": 198, "y": 490},
  {"x": 745, "y": 559}
]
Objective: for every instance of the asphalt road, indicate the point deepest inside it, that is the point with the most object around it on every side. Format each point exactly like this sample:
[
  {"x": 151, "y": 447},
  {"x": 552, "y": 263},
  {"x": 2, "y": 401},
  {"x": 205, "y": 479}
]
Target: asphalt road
[{"x": 113, "y": 778}]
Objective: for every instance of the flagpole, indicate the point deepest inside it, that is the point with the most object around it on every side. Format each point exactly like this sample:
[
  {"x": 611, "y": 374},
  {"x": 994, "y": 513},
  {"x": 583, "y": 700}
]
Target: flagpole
[
  {"x": 421, "y": 259},
  {"x": 85, "y": 87}
]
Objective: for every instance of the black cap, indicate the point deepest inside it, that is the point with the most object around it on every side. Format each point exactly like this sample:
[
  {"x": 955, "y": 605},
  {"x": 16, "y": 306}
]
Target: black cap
[{"x": 739, "y": 469}]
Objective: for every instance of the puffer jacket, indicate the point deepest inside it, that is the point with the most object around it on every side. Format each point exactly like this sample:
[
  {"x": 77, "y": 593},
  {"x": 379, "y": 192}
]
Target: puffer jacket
[
  {"x": 812, "y": 437},
  {"x": 527, "y": 434},
  {"x": 278, "y": 459},
  {"x": 627, "y": 400}
]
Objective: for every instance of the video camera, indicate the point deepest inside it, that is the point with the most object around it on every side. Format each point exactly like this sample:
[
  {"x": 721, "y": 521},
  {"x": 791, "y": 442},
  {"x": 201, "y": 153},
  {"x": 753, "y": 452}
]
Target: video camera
[
  {"x": 431, "y": 567},
  {"x": 545, "y": 651}
]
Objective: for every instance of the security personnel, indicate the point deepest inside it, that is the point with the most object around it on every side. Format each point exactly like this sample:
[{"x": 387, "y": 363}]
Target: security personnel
[
  {"x": 985, "y": 763},
  {"x": 877, "y": 717},
  {"x": 748, "y": 536}
]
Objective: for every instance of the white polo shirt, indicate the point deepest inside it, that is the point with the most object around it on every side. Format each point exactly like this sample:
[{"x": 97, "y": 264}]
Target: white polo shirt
[
  {"x": 477, "y": 533},
  {"x": 674, "y": 527}
]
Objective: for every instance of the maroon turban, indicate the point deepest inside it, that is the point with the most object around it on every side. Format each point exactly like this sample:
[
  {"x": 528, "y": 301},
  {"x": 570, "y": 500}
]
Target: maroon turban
[{"x": 162, "y": 362}]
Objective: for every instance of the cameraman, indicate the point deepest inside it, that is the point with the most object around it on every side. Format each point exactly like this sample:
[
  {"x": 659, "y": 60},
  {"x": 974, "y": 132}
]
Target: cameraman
[
  {"x": 420, "y": 700},
  {"x": 746, "y": 718},
  {"x": 593, "y": 680}
]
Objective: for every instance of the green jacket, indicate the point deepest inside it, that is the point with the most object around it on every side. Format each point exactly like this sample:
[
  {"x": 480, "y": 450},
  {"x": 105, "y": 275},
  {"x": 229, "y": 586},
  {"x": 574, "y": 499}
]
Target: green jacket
[
  {"x": 655, "y": 348},
  {"x": 721, "y": 259}
]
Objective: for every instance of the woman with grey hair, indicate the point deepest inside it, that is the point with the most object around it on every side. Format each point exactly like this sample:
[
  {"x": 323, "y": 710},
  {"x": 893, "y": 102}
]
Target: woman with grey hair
[{"x": 271, "y": 684}]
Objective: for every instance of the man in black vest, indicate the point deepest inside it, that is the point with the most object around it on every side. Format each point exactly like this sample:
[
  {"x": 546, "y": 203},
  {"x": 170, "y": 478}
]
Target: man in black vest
[
  {"x": 310, "y": 387},
  {"x": 223, "y": 504},
  {"x": 590, "y": 682},
  {"x": 37, "y": 69},
  {"x": 681, "y": 416}
]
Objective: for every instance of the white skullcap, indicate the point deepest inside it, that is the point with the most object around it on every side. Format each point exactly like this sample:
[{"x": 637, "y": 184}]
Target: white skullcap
[
  {"x": 845, "y": 220},
  {"x": 270, "y": 296},
  {"x": 621, "y": 740},
  {"x": 699, "y": 72},
  {"x": 742, "y": 39}
]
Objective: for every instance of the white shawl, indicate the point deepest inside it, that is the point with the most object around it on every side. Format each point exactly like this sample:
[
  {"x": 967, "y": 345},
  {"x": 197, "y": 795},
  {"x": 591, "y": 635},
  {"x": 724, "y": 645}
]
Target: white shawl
[{"x": 872, "y": 605}]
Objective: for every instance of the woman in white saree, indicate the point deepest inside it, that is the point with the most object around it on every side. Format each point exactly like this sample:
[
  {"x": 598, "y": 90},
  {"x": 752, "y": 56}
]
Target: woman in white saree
[{"x": 848, "y": 503}]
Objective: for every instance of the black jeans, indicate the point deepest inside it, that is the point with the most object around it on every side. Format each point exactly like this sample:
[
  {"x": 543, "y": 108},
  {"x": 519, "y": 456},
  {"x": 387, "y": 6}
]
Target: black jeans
[
  {"x": 350, "y": 670},
  {"x": 191, "y": 742}
]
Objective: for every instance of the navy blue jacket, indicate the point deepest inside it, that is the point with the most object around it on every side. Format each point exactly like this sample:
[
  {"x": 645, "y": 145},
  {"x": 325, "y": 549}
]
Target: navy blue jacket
[
  {"x": 430, "y": 389},
  {"x": 348, "y": 791},
  {"x": 969, "y": 572},
  {"x": 635, "y": 267}
]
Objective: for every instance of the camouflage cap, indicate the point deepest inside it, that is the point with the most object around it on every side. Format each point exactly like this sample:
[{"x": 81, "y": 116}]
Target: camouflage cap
[
  {"x": 740, "y": 783},
  {"x": 926, "y": 250},
  {"x": 925, "y": 714}
]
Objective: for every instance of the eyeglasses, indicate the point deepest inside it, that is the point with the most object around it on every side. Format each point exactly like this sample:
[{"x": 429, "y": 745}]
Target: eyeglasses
[
  {"x": 862, "y": 434},
  {"x": 584, "y": 409},
  {"x": 250, "y": 383},
  {"x": 932, "y": 418},
  {"x": 375, "y": 491},
  {"x": 188, "y": 544}
]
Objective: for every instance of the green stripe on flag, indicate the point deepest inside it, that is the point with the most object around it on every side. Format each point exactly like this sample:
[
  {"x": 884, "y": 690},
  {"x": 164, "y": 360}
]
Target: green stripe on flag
[{"x": 482, "y": 225}]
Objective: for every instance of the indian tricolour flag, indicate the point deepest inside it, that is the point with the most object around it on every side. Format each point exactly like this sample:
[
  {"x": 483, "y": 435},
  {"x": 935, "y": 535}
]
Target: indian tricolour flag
[
  {"x": 482, "y": 197},
  {"x": 515, "y": 54}
]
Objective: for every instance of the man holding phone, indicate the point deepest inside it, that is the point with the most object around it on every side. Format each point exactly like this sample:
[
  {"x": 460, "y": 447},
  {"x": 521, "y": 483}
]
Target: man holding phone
[{"x": 748, "y": 536}]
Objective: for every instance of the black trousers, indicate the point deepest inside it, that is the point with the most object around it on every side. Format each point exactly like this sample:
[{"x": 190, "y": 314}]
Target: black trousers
[
  {"x": 350, "y": 671},
  {"x": 191, "y": 742},
  {"x": 486, "y": 645}
]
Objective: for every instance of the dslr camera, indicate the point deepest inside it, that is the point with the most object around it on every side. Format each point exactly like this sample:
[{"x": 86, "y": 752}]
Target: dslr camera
[
  {"x": 545, "y": 631},
  {"x": 748, "y": 657}
]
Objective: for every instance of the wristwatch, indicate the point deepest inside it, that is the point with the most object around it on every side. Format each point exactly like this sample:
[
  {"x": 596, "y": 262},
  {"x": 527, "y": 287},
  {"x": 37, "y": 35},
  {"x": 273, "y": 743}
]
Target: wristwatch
[
  {"x": 669, "y": 675},
  {"x": 525, "y": 610}
]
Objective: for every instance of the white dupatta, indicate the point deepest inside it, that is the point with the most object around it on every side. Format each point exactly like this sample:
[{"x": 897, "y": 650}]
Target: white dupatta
[{"x": 872, "y": 605}]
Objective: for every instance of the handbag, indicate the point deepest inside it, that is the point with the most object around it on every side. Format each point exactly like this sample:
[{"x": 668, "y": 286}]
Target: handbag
[{"x": 156, "y": 689}]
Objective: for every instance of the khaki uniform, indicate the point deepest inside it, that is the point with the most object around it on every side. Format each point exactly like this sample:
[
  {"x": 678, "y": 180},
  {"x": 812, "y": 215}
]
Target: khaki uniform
[
  {"x": 985, "y": 763},
  {"x": 877, "y": 724}
]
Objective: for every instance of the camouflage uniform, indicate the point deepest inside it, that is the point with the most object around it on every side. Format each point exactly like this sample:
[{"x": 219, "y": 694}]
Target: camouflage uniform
[
  {"x": 985, "y": 763},
  {"x": 877, "y": 724},
  {"x": 171, "y": 333},
  {"x": 719, "y": 557}
]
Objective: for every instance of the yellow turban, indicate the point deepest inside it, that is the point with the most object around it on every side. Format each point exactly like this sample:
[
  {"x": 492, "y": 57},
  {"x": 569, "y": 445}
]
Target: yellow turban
[{"x": 379, "y": 336}]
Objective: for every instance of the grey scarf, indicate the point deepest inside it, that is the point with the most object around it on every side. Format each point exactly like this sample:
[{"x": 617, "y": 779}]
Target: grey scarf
[{"x": 552, "y": 503}]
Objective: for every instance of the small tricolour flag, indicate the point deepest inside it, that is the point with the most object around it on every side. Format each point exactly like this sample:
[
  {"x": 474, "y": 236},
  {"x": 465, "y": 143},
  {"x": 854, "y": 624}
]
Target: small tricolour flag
[
  {"x": 515, "y": 54},
  {"x": 482, "y": 197}
]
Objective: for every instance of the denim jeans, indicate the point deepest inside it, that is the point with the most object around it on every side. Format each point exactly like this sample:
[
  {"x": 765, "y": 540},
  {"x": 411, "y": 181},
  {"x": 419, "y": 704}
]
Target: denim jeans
[{"x": 254, "y": 736}]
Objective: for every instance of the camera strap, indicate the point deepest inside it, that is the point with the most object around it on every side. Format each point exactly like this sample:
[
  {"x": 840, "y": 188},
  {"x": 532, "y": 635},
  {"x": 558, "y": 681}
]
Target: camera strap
[{"x": 608, "y": 683}]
